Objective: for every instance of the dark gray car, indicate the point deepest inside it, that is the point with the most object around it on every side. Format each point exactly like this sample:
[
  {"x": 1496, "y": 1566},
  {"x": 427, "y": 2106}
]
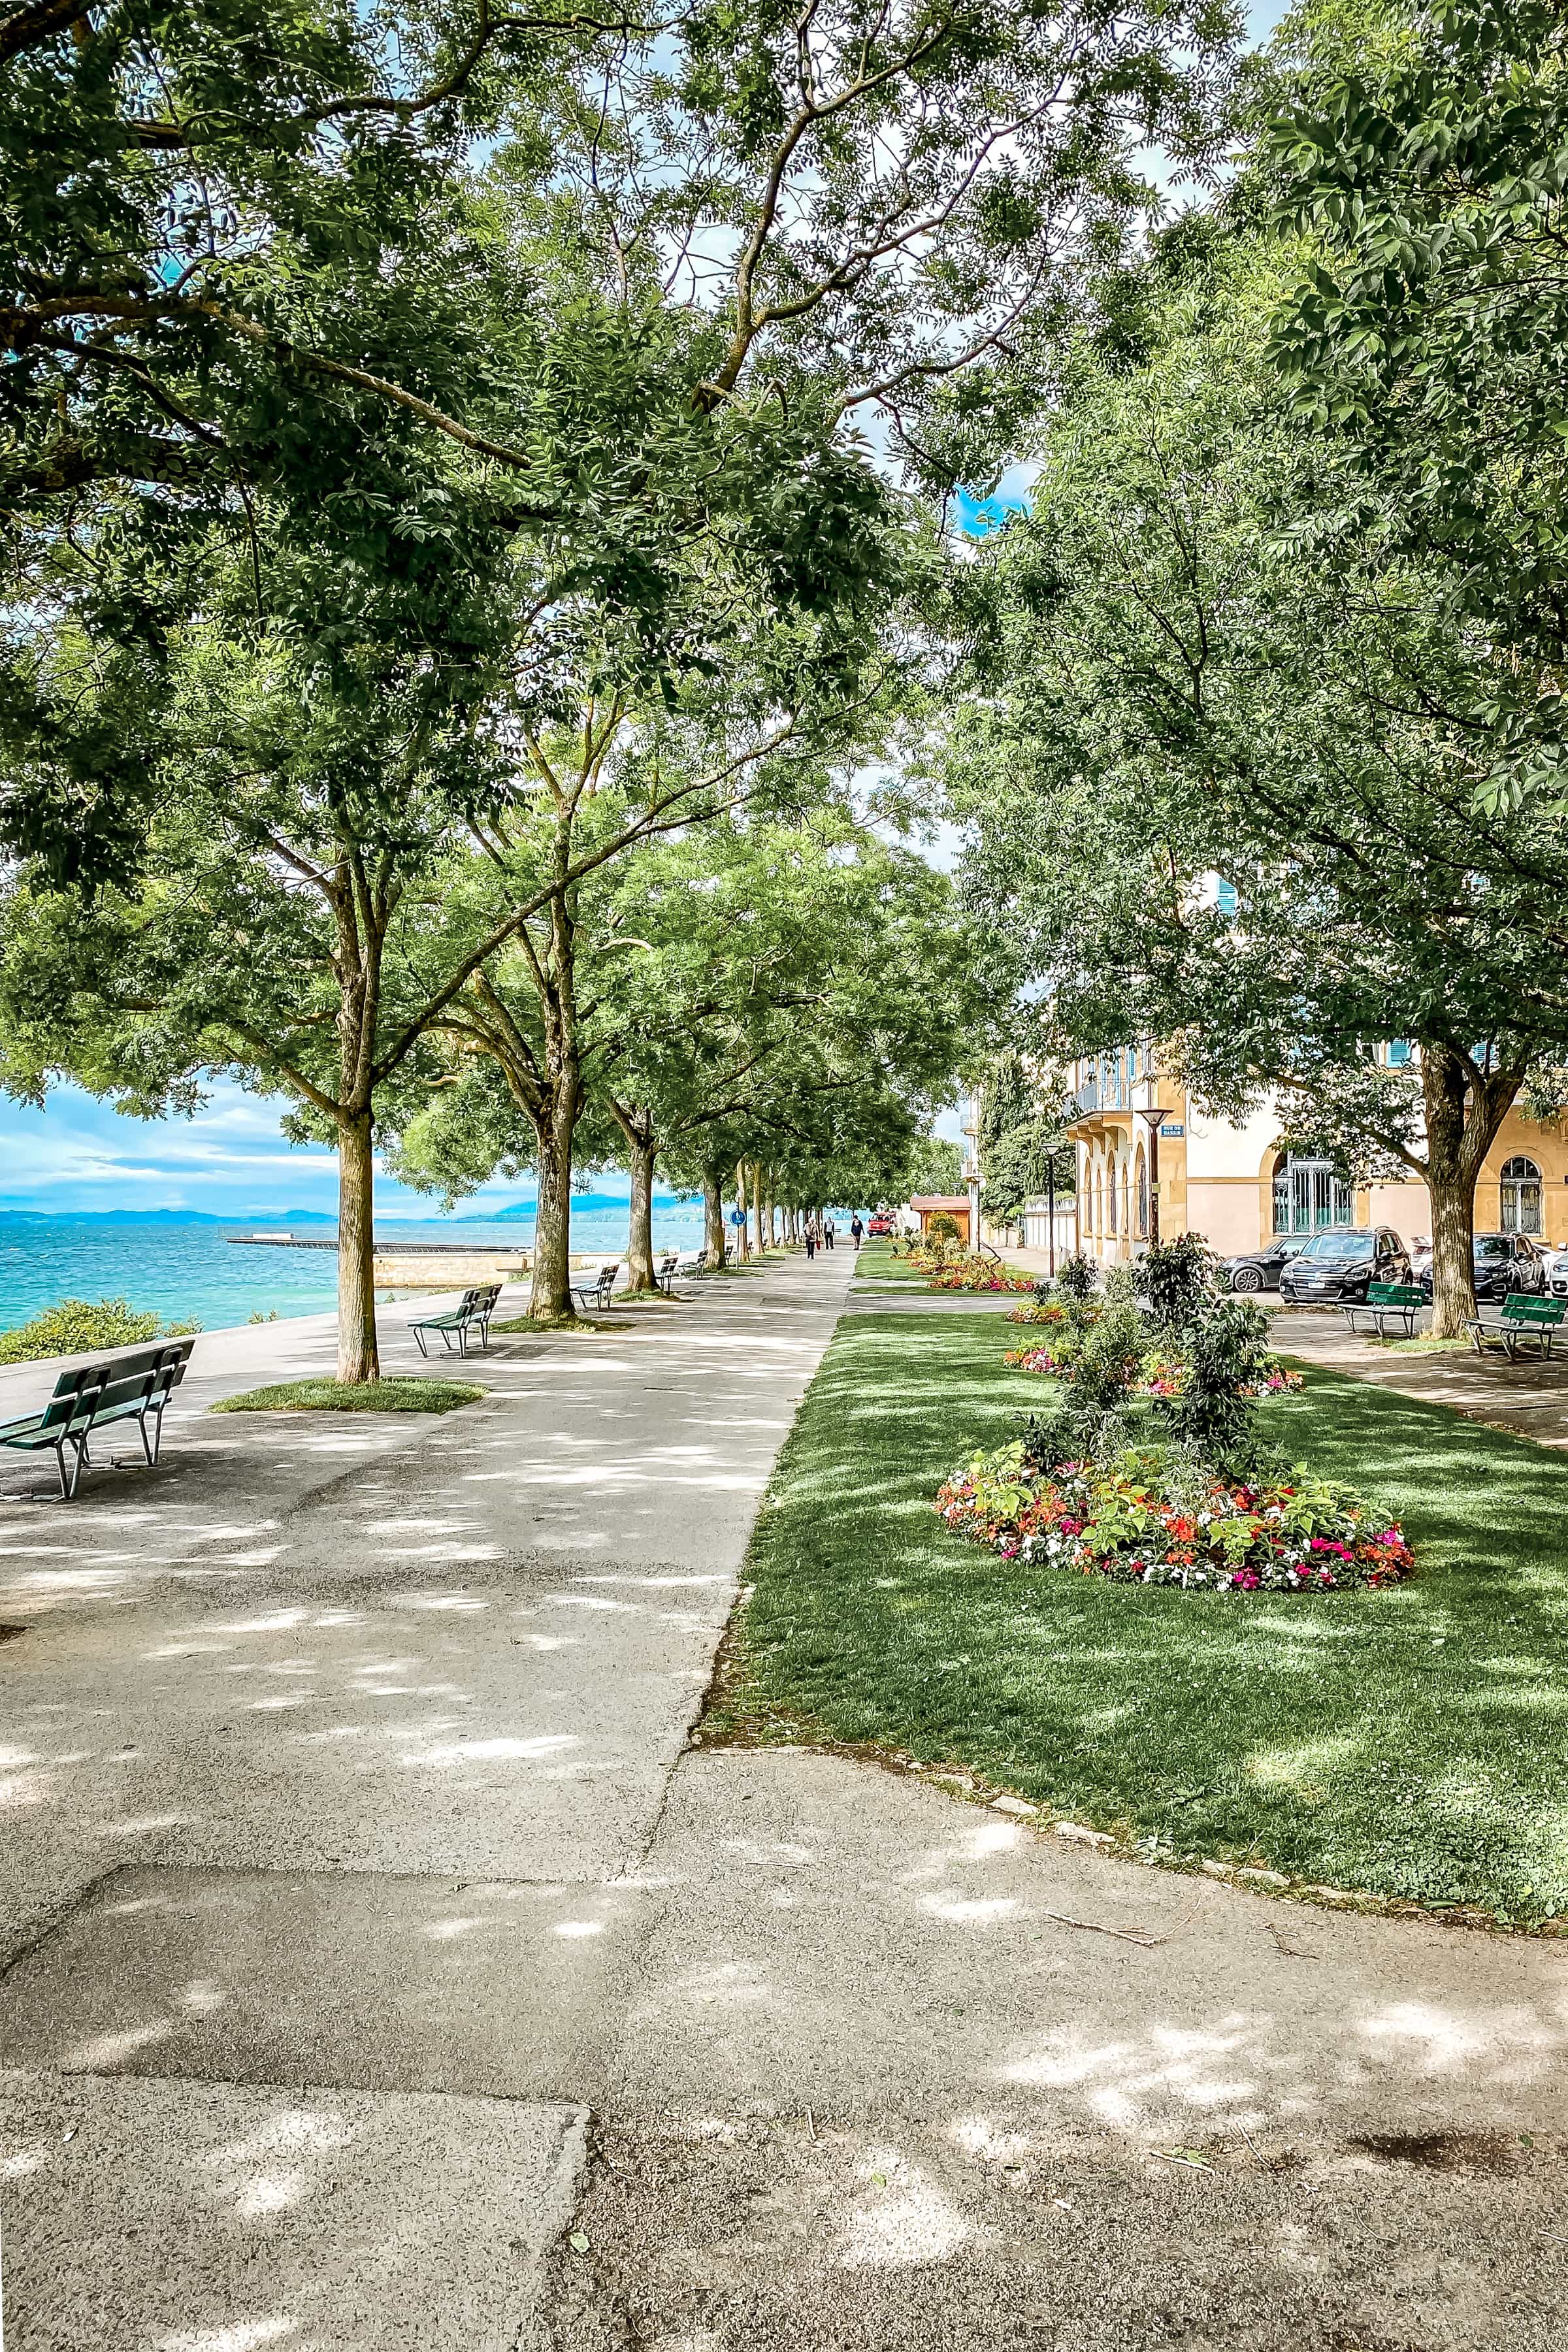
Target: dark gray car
[
  {"x": 1259, "y": 1269},
  {"x": 1502, "y": 1263},
  {"x": 1337, "y": 1267}
]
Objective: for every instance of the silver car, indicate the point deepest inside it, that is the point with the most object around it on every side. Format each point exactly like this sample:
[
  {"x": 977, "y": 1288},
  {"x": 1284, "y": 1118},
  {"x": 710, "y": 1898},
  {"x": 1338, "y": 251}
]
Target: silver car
[{"x": 1557, "y": 1273}]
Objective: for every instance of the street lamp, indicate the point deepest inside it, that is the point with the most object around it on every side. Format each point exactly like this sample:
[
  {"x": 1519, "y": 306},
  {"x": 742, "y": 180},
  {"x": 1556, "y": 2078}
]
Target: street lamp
[{"x": 1154, "y": 1117}]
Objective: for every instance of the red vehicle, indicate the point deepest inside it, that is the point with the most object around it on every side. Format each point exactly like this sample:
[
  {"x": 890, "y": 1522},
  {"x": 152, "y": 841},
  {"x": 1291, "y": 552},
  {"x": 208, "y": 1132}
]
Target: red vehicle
[{"x": 882, "y": 1224}]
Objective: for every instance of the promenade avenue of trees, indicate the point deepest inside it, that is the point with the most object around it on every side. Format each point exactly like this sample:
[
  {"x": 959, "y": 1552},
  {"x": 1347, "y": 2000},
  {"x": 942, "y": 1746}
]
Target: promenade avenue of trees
[{"x": 439, "y": 433}]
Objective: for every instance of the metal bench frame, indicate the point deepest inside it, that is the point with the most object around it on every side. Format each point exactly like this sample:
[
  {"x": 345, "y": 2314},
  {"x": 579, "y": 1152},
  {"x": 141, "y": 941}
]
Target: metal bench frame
[
  {"x": 600, "y": 1290},
  {"x": 476, "y": 1307}
]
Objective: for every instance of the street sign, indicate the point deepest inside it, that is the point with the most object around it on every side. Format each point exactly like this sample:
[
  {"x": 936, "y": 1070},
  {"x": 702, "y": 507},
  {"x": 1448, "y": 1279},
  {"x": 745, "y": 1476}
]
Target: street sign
[{"x": 1173, "y": 1127}]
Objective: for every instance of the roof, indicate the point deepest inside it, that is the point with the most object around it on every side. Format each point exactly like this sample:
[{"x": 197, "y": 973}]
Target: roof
[{"x": 940, "y": 1201}]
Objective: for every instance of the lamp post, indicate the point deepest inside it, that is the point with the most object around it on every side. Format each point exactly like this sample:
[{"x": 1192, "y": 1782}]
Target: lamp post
[{"x": 1154, "y": 1117}]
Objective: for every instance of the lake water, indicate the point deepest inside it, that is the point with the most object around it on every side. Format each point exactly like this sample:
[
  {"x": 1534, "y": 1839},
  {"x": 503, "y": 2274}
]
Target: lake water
[{"x": 184, "y": 1271}]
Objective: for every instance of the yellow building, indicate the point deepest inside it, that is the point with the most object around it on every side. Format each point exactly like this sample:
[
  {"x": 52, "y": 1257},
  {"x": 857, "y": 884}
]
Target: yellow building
[{"x": 1141, "y": 1144}]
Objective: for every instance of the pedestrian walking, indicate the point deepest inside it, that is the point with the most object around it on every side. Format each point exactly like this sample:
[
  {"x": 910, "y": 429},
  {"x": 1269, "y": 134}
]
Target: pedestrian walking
[
  {"x": 828, "y": 1232},
  {"x": 810, "y": 1242},
  {"x": 857, "y": 1230}
]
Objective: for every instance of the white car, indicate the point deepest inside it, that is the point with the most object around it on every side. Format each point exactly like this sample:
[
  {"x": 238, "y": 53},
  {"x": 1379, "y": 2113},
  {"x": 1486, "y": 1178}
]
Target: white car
[{"x": 1557, "y": 1273}]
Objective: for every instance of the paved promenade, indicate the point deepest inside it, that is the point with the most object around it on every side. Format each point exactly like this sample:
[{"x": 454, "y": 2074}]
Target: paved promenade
[
  {"x": 1529, "y": 1397},
  {"x": 386, "y": 1968}
]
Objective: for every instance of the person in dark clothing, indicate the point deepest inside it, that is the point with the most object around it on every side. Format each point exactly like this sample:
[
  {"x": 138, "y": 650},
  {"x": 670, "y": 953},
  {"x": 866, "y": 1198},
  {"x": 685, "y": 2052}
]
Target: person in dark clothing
[
  {"x": 857, "y": 1230},
  {"x": 828, "y": 1233},
  {"x": 811, "y": 1241}
]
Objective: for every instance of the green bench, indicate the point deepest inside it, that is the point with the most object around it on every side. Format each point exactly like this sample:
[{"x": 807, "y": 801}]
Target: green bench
[
  {"x": 133, "y": 1387},
  {"x": 472, "y": 1313},
  {"x": 1526, "y": 1321},
  {"x": 1385, "y": 1302}
]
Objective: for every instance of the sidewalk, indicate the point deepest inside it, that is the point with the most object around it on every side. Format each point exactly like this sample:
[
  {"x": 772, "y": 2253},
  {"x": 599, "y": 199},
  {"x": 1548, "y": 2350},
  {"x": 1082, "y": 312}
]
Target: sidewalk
[
  {"x": 388, "y": 1969},
  {"x": 1529, "y": 1397},
  {"x": 333, "y": 1749}
]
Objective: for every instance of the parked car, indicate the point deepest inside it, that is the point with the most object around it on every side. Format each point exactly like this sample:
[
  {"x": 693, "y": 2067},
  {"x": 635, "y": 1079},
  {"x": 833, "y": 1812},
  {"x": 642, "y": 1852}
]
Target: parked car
[
  {"x": 1499, "y": 1263},
  {"x": 1556, "y": 1267},
  {"x": 1338, "y": 1265},
  {"x": 1259, "y": 1269},
  {"x": 881, "y": 1225}
]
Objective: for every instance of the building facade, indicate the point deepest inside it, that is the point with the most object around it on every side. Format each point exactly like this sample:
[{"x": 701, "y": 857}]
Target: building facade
[{"x": 1145, "y": 1152}]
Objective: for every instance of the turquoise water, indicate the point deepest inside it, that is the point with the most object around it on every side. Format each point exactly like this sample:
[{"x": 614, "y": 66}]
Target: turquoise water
[{"x": 183, "y": 1271}]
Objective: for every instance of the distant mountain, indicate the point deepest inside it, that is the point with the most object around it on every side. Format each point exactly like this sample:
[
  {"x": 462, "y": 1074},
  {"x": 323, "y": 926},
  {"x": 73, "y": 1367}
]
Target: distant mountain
[
  {"x": 168, "y": 1216},
  {"x": 515, "y": 1208}
]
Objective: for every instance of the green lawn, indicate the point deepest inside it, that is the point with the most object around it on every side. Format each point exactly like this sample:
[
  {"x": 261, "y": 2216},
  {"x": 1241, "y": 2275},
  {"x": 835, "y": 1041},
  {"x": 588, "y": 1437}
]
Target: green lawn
[
  {"x": 1409, "y": 1744},
  {"x": 877, "y": 1262}
]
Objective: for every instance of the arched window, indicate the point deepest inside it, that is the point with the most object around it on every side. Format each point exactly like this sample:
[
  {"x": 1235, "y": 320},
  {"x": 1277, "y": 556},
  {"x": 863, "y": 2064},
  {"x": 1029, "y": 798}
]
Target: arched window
[
  {"x": 1310, "y": 1195},
  {"x": 1142, "y": 1198},
  {"x": 1110, "y": 1196},
  {"x": 1521, "y": 1195}
]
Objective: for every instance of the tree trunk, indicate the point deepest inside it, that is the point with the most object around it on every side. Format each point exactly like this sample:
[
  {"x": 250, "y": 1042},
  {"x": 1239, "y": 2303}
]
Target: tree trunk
[
  {"x": 639, "y": 1249},
  {"x": 1462, "y": 1120},
  {"x": 549, "y": 1292},
  {"x": 1452, "y": 1203},
  {"x": 713, "y": 1219},
  {"x": 757, "y": 1208},
  {"x": 742, "y": 1230},
  {"x": 358, "y": 1358}
]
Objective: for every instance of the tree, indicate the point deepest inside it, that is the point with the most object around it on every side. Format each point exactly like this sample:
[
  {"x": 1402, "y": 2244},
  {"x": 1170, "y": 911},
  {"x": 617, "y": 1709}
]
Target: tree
[
  {"x": 1194, "y": 690},
  {"x": 549, "y": 703},
  {"x": 1022, "y": 1145},
  {"x": 1422, "y": 154},
  {"x": 261, "y": 935},
  {"x": 935, "y": 1168},
  {"x": 760, "y": 992}
]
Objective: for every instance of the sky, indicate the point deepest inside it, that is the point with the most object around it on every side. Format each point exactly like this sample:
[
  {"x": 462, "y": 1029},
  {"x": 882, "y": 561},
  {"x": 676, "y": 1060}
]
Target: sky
[{"x": 230, "y": 1160}]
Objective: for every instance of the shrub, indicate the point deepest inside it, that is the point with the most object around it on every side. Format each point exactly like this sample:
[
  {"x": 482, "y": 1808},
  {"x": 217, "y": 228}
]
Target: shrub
[
  {"x": 941, "y": 1227},
  {"x": 1176, "y": 1282},
  {"x": 81, "y": 1327},
  {"x": 1076, "y": 1277},
  {"x": 1228, "y": 1364}
]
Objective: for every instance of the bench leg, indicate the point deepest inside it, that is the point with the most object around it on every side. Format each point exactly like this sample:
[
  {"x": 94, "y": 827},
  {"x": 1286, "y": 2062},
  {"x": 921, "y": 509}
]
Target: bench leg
[
  {"x": 419, "y": 1336},
  {"x": 71, "y": 1479}
]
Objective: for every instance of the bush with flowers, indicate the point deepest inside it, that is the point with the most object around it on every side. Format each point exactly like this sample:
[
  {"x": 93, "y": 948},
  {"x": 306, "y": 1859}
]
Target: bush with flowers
[
  {"x": 1150, "y": 1470},
  {"x": 984, "y": 1274},
  {"x": 1143, "y": 1520}
]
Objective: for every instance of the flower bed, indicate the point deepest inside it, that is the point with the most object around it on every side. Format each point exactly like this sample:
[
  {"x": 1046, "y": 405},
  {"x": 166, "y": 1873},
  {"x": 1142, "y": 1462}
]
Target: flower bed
[
  {"x": 1041, "y": 1359},
  {"x": 979, "y": 1274},
  {"x": 1056, "y": 1314},
  {"x": 1158, "y": 1376},
  {"x": 1126, "y": 1523},
  {"x": 1163, "y": 1375}
]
